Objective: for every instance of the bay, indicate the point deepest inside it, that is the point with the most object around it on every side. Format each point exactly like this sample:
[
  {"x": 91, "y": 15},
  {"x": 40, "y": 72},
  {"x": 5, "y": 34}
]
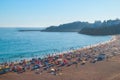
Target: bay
[{"x": 15, "y": 45}]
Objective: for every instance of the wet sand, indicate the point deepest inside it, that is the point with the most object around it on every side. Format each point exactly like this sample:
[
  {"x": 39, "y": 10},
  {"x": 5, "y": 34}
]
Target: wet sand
[{"x": 108, "y": 69}]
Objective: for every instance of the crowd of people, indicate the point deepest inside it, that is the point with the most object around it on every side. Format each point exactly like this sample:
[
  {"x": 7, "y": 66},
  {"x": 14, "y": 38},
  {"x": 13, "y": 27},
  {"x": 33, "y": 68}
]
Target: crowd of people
[{"x": 51, "y": 63}]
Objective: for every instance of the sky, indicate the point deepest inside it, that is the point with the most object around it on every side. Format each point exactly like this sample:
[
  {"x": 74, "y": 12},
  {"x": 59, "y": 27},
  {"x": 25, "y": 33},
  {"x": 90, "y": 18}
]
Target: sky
[{"x": 44, "y": 13}]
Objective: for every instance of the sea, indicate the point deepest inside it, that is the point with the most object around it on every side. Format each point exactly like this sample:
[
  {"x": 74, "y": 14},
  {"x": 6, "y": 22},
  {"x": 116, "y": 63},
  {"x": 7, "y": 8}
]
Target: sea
[{"x": 16, "y": 45}]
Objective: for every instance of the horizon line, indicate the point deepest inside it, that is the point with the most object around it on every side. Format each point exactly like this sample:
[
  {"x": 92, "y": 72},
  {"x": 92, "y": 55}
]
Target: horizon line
[{"x": 55, "y": 25}]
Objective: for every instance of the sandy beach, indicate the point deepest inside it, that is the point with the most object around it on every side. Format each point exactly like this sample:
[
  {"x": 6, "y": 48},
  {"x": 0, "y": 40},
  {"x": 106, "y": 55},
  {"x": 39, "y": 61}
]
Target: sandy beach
[{"x": 108, "y": 69}]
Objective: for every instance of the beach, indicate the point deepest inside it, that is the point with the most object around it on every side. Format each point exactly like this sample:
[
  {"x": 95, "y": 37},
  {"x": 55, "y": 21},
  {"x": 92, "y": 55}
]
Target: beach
[{"x": 107, "y": 69}]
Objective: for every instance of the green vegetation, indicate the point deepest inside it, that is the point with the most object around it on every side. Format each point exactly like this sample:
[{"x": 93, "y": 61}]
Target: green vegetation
[{"x": 109, "y": 27}]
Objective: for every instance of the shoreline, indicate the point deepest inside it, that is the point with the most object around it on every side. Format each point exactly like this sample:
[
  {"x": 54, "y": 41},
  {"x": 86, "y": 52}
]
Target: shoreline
[
  {"x": 64, "y": 52},
  {"x": 89, "y": 71},
  {"x": 101, "y": 43},
  {"x": 113, "y": 38}
]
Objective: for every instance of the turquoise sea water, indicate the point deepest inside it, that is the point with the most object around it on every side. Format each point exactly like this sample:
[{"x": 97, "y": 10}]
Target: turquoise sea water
[{"x": 16, "y": 45}]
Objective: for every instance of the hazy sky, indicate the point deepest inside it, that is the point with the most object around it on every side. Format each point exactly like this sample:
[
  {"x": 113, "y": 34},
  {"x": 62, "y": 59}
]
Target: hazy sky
[{"x": 44, "y": 13}]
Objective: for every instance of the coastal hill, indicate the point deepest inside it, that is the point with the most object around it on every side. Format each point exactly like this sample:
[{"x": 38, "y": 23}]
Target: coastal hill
[
  {"x": 69, "y": 27},
  {"x": 109, "y": 27},
  {"x": 102, "y": 30}
]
